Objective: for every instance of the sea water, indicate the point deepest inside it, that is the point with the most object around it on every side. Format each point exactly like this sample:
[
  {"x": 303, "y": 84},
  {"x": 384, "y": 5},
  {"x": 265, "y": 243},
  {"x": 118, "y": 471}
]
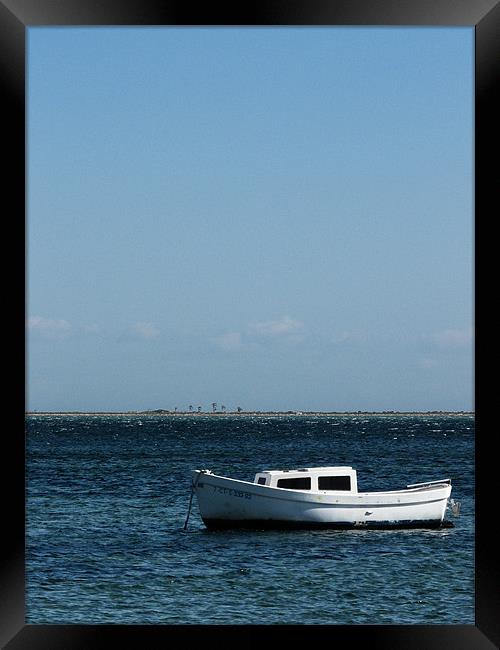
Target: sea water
[{"x": 108, "y": 496}]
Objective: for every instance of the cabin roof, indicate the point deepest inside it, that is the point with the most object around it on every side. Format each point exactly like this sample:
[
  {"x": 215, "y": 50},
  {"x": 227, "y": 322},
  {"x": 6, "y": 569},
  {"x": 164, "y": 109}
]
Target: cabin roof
[{"x": 310, "y": 470}]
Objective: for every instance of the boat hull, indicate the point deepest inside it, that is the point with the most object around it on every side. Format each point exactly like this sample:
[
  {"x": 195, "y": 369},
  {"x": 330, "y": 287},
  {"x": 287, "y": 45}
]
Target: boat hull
[{"x": 230, "y": 503}]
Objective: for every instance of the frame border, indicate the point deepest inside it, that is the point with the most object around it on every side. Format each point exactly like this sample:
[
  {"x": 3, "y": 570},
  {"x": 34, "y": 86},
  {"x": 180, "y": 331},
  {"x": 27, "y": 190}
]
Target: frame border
[{"x": 18, "y": 15}]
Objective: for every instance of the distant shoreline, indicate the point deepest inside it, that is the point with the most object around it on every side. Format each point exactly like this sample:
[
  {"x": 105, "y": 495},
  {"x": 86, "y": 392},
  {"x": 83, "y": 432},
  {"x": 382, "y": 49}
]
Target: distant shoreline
[{"x": 162, "y": 412}]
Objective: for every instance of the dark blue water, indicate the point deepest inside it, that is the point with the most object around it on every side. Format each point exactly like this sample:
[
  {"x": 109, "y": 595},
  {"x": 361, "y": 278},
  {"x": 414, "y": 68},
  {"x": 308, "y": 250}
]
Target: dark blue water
[{"x": 107, "y": 498}]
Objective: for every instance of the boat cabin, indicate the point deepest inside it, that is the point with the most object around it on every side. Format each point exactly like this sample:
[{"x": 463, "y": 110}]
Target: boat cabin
[{"x": 317, "y": 479}]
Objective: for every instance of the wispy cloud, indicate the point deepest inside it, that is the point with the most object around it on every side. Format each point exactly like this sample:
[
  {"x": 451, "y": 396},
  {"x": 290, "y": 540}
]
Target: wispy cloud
[
  {"x": 285, "y": 330},
  {"x": 228, "y": 341},
  {"x": 284, "y": 327},
  {"x": 349, "y": 336},
  {"x": 452, "y": 338},
  {"x": 146, "y": 330},
  {"x": 427, "y": 363},
  {"x": 51, "y": 328}
]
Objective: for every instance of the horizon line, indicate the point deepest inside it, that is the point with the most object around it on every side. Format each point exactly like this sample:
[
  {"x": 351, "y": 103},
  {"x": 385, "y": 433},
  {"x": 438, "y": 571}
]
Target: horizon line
[{"x": 249, "y": 412}]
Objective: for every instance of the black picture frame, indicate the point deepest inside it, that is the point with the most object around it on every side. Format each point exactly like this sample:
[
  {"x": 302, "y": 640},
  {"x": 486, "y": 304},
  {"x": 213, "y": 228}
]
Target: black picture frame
[{"x": 16, "y": 16}]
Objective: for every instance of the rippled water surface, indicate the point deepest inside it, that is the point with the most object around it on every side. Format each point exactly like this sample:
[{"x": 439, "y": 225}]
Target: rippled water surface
[{"x": 107, "y": 497}]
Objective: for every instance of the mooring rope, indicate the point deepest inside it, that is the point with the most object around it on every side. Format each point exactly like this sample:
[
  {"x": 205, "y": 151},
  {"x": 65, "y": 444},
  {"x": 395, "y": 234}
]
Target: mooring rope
[{"x": 193, "y": 485}]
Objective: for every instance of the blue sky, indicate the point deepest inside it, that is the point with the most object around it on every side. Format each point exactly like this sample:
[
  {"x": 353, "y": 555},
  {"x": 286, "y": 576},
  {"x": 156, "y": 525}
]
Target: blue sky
[{"x": 271, "y": 218}]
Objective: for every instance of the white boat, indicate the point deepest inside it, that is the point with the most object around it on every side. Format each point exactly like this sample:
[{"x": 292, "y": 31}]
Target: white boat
[{"x": 316, "y": 497}]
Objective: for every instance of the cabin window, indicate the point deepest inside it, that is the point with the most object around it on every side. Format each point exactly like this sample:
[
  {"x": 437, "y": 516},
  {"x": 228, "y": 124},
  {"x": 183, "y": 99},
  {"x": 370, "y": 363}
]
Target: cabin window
[
  {"x": 262, "y": 480},
  {"x": 302, "y": 483},
  {"x": 334, "y": 483}
]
